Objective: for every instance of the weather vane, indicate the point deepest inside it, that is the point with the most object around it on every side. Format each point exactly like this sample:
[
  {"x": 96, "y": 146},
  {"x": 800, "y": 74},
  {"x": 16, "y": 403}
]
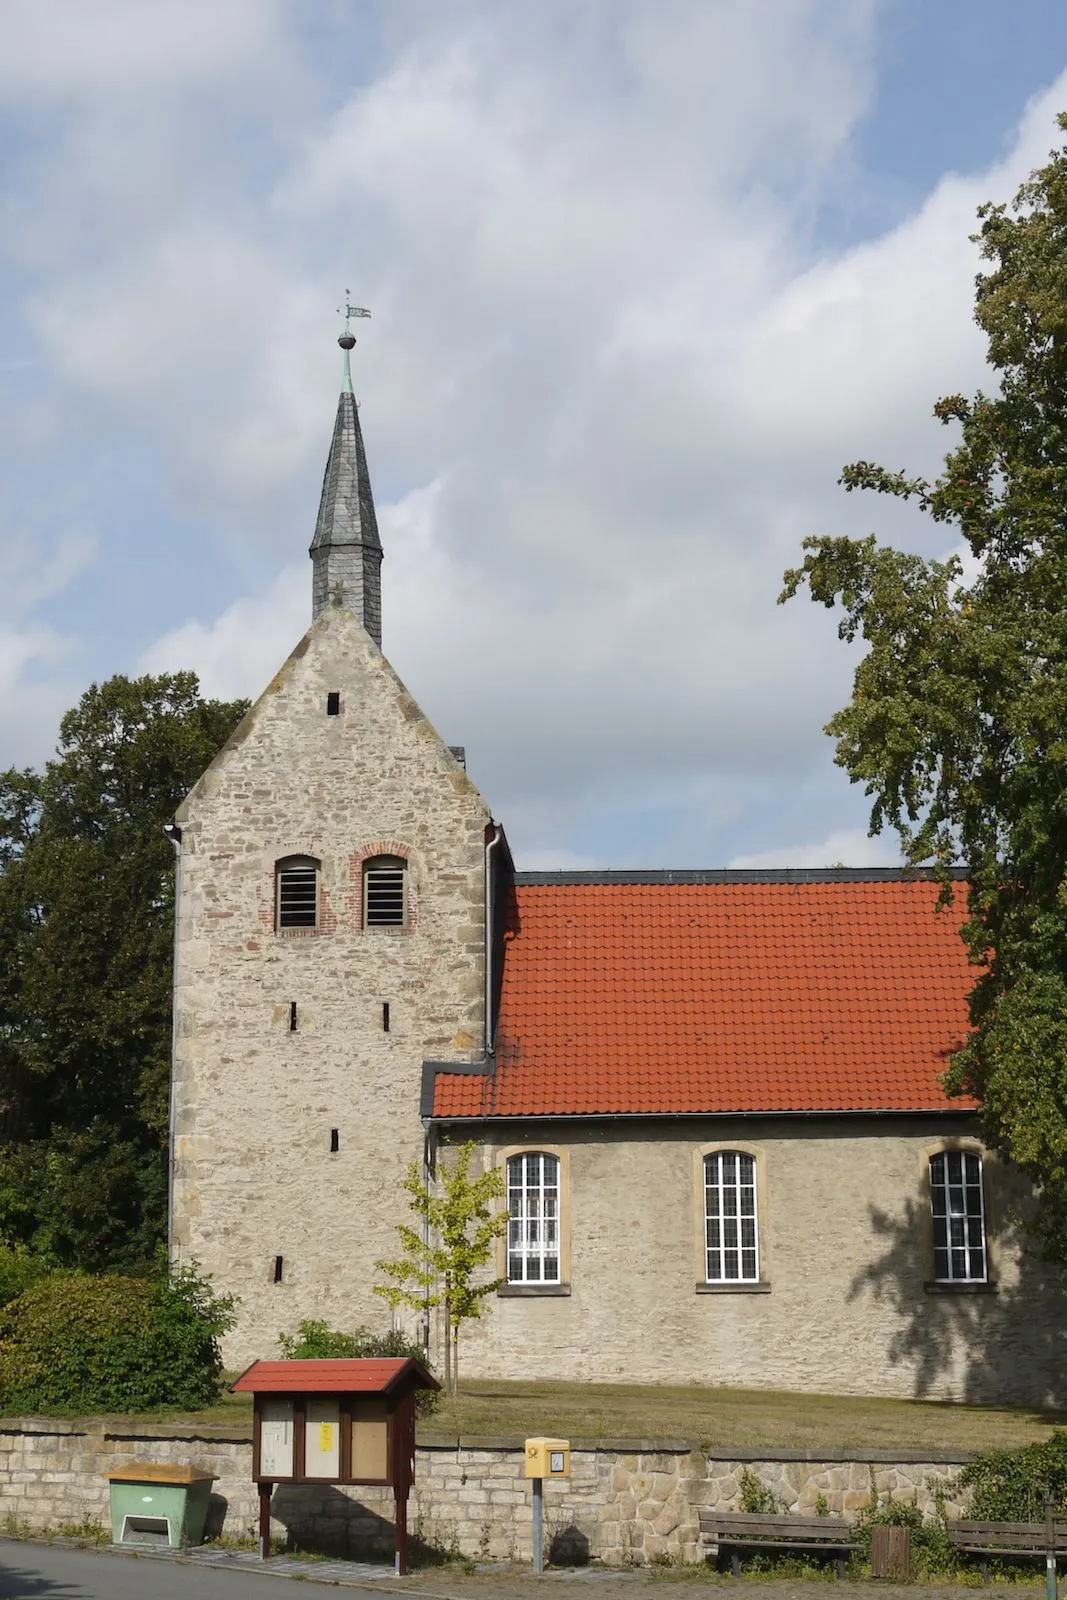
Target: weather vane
[{"x": 347, "y": 339}]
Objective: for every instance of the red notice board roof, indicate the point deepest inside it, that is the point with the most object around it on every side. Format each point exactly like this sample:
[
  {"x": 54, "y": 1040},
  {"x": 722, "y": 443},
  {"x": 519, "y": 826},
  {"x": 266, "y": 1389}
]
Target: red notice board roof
[{"x": 368, "y": 1376}]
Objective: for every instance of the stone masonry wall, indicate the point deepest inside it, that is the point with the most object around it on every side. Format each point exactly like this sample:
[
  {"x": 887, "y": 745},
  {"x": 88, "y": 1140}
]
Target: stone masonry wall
[
  {"x": 626, "y": 1502},
  {"x": 845, "y": 1302},
  {"x": 256, "y": 1101}
]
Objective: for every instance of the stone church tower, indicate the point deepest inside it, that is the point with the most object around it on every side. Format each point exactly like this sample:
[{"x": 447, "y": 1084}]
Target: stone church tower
[{"x": 330, "y": 939}]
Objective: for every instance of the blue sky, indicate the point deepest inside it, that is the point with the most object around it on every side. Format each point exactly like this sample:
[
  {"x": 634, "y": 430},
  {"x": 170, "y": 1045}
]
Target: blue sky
[{"x": 643, "y": 278}]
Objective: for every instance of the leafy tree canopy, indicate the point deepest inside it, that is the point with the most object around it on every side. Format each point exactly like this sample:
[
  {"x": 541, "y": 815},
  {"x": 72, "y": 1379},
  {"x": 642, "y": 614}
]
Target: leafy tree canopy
[
  {"x": 958, "y": 719},
  {"x": 86, "y": 940}
]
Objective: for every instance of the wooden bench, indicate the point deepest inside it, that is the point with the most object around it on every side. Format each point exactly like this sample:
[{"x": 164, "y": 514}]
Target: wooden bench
[
  {"x": 744, "y": 1530},
  {"x": 1034, "y": 1539}
]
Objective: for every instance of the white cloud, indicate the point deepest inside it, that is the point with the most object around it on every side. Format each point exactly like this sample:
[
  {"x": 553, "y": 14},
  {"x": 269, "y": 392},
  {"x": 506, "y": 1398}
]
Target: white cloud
[
  {"x": 606, "y": 387},
  {"x": 63, "y": 48},
  {"x": 33, "y": 693},
  {"x": 238, "y": 653},
  {"x": 847, "y": 847}
]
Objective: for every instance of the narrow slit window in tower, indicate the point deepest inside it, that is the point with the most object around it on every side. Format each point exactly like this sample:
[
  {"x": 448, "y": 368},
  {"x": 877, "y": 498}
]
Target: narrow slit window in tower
[
  {"x": 278, "y": 1264},
  {"x": 292, "y": 1016},
  {"x": 385, "y": 1016},
  {"x": 335, "y": 1141},
  {"x": 333, "y": 704}
]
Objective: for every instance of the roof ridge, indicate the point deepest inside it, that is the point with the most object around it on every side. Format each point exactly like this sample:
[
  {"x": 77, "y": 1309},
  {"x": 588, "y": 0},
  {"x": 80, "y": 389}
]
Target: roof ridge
[{"x": 727, "y": 875}]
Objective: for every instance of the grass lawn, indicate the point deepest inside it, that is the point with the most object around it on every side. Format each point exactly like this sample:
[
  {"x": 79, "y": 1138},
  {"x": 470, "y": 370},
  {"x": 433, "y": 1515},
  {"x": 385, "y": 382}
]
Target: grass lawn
[
  {"x": 752, "y": 1417},
  {"x": 734, "y": 1417}
]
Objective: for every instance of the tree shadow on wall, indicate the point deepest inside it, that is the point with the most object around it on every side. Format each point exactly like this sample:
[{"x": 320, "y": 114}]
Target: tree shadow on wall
[{"x": 1005, "y": 1346}]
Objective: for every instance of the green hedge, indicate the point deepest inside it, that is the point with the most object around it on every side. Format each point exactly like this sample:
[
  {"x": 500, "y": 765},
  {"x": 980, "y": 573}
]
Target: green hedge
[
  {"x": 73, "y": 1344},
  {"x": 1011, "y": 1485}
]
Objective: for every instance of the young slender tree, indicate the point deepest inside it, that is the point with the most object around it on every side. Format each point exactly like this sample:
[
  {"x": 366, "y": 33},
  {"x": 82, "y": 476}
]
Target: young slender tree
[
  {"x": 957, "y": 724},
  {"x": 442, "y": 1258}
]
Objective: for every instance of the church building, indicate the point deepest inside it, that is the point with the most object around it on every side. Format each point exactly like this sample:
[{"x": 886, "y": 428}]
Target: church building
[{"x": 713, "y": 1097}]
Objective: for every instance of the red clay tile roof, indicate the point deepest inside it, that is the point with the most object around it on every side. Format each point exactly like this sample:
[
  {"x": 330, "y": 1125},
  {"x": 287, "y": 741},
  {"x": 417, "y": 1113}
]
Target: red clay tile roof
[
  {"x": 368, "y": 1375},
  {"x": 672, "y": 997}
]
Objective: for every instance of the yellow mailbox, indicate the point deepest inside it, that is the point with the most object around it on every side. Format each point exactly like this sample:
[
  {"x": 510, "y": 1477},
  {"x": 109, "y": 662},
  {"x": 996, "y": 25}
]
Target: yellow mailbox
[{"x": 547, "y": 1458}]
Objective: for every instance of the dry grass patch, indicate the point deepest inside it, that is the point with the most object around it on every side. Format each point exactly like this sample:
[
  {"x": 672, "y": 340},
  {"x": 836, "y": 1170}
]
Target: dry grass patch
[{"x": 751, "y": 1417}]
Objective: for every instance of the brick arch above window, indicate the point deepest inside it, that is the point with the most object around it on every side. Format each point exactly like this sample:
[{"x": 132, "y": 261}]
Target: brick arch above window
[{"x": 382, "y": 847}]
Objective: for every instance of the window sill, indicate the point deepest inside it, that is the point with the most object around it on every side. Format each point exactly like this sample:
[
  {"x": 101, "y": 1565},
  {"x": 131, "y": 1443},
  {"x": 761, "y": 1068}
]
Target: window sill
[
  {"x": 763, "y": 1287},
  {"x": 934, "y": 1286},
  {"x": 533, "y": 1291}
]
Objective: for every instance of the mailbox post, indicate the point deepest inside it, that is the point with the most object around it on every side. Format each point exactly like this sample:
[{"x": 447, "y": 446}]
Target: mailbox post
[
  {"x": 543, "y": 1458},
  {"x": 343, "y": 1422}
]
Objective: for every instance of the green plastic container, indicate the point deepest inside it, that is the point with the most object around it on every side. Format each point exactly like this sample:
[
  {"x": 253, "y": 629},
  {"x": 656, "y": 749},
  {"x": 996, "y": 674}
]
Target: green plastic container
[{"x": 156, "y": 1503}]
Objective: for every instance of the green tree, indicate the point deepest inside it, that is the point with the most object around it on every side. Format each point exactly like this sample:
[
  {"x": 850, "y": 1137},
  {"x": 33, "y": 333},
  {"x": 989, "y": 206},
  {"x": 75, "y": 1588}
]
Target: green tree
[
  {"x": 957, "y": 724},
  {"x": 442, "y": 1259},
  {"x": 86, "y": 940}
]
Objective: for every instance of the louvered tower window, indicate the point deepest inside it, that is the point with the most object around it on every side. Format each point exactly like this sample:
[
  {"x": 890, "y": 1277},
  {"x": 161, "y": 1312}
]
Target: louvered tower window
[
  {"x": 384, "y": 892},
  {"x": 297, "y": 892}
]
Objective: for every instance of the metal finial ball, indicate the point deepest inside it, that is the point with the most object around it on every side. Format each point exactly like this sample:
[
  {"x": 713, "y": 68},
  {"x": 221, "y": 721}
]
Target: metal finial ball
[{"x": 346, "y": 341}]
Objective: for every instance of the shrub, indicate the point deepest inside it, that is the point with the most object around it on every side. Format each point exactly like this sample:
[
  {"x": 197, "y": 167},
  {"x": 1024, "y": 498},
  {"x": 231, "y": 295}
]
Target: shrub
[
  {"x": 315, "y": 1340},
  {"x": 755, "y": 1495},
  {"x": 1012, "y": 1485},
  {"x": 74, "y": 1343},
  {"x": 19, "y": 1268},
  {"x": 931, "y": 1553}
]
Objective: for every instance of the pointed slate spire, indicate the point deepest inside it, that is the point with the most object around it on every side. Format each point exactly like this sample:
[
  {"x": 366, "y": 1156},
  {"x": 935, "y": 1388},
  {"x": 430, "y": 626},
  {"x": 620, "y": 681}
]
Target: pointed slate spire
[{"x": 346, "y": 552}]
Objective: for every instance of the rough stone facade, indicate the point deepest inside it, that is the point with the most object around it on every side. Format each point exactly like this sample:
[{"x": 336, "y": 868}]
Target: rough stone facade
[
  {"x": 626, "y": 1503},
  {"x": 845, "y": 1304},
  {"x": 257, "y": 1102}
]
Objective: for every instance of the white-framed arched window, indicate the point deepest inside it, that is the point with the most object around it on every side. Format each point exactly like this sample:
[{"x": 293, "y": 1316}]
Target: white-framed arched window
[
  {"x": 731, "y": 1222},
  {"x": 296, "y": 893},
  {"x": 957, "y": 1207},
  {"x": 533, "y": 1236}
]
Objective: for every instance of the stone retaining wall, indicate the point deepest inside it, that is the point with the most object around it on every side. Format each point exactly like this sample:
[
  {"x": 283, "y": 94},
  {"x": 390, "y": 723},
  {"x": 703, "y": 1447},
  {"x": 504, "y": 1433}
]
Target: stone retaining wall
[{"x": 627, "y": 1501}]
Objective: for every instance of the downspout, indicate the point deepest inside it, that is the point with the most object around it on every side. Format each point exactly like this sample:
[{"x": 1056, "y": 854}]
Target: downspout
[
  {"x": 174, "y": 834},
  {"x": 491, "y": 844},
  {"x": 427, "y": 1150}
]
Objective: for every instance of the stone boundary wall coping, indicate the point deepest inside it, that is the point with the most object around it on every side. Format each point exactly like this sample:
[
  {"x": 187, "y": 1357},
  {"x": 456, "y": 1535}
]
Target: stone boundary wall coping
[
  {"x": 747, "y": 1452},
  {"x": 241, "y": 1433},
  {"x": 113, "y": 1428}
]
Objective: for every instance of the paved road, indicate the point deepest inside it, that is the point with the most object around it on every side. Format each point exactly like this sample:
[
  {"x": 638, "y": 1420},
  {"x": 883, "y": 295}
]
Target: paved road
[
  {"x": 53, "y": 1572},
  {"x": 30, "y": 1571}
]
